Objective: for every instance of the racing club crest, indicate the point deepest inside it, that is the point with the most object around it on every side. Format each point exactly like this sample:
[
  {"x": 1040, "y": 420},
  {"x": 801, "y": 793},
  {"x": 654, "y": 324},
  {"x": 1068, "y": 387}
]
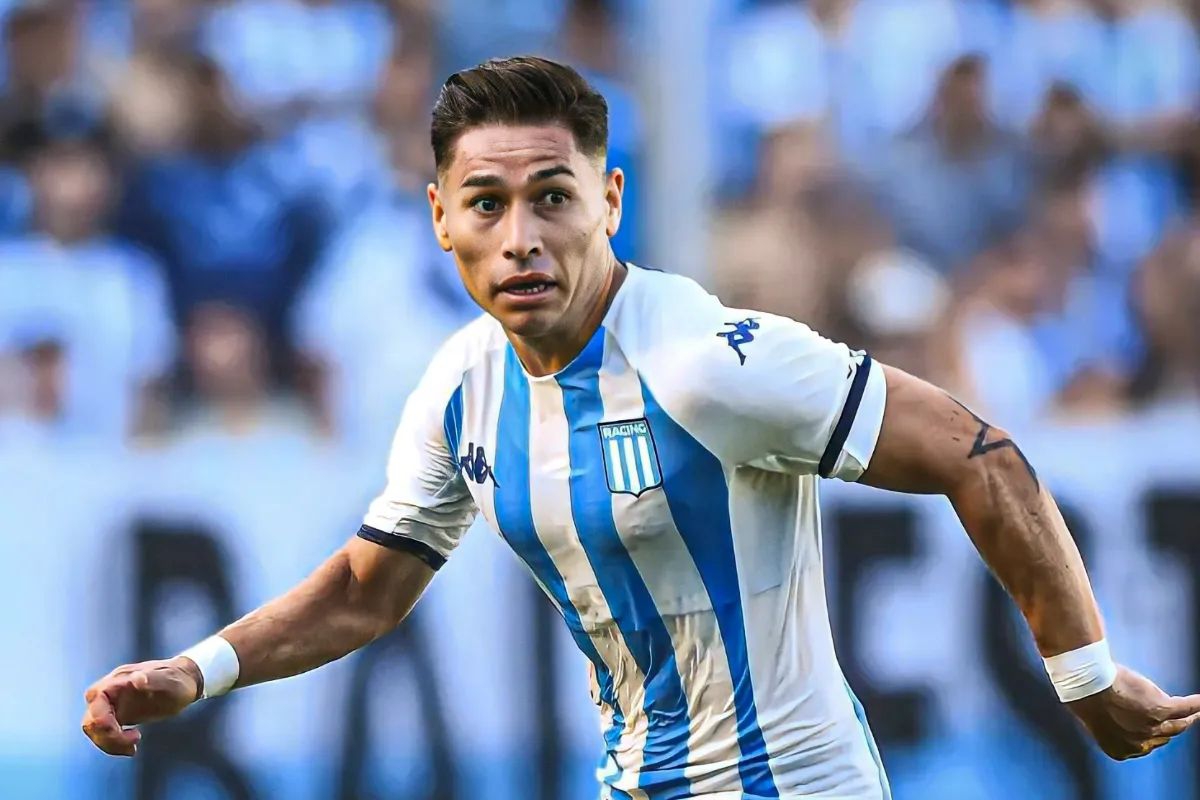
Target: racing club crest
[{"x": 630, "y": 458}]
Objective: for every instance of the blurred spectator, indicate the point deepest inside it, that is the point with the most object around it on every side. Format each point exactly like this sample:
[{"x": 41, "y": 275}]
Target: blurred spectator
[
  {"x": 227, "y": 365},
  {"x": 958, "y": 175},
  {"x": 513, "y": 26},
  {"x": 1039, "y": 330},
  {"x": 152, "y": 115},
  {"x": 1168, "y": 299},
  {"x": 778, "y": 64},
  {"x": 867, "y": 67},
  {"x": 166, "y": 26},
  {"x": 1045, "y": 42},
  {"x": 1066, "y": 136},
  {"x": 383, "y": 262},
  {"x": 42, "y": 91},
  {"x": 83, "y": 318},
  {"x": 890, "y": 56},
  {"x": 48, "y": 87},
  {"x": 1086, "y": 332},
  {"x": 1147, "y": 89},
  {"x": 767, "y": 249},
  {"x": 899, "y": 305},
  {"x": 790, "y": 245},
  {"x": 227, "y": 214},
  {"x": 593, "y": 45},
  {"x": 313, "y": 53},
  {"x": 1006, "y": 375},
  {"x": 1151, "y": 72},
  {"x": 384, "y": 265}
]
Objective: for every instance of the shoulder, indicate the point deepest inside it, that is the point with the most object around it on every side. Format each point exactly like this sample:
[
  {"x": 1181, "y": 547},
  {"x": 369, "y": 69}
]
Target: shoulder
[
  {"x": 673, "y": 330},
  {"x": 661, "y": 311},
  {"x": 466, "y": 349}
]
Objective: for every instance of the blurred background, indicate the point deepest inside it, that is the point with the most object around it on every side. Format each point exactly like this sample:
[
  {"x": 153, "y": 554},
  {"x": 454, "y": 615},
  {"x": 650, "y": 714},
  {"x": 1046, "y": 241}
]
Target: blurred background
[{"x": 218, "y": 285}]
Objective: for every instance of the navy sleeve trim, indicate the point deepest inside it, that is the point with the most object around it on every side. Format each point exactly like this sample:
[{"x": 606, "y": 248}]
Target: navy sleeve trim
[
  {"x": 405, "y": 544},
  {"x": 846, "y": 421}
]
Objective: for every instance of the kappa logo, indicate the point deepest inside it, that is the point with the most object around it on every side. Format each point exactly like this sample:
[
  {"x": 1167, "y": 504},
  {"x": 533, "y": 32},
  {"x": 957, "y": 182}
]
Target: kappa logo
[
  {"x": 475, "y": 465},
  {"x": 630, "y": 457},
  {"x": 740, "y": 335}
]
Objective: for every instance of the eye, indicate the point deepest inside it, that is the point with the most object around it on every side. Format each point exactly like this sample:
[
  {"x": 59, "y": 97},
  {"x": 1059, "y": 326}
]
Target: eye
[
  {"x": 555, "y": 197},
  {"x": 486, "y": 205}
]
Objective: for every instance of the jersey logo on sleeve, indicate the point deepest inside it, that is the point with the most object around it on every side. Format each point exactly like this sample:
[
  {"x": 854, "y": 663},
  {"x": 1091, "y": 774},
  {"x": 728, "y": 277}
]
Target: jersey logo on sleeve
[
  {"x": 740, "y": 335},
  {"x": 475, "y": 465},
  {"x": 630, "y": 457}
]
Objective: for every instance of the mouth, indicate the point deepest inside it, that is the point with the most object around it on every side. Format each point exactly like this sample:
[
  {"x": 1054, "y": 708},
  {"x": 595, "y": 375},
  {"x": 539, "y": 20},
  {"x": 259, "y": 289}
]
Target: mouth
[{"x": 527, "y": 286}]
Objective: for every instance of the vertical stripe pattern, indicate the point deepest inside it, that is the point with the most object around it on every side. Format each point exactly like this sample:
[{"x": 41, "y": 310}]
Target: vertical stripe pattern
[
  {"x": 648, "y": 531},
  {"x": 699, "y": 501},
  {"x": 666, "y": 749},
  {"x": 514, "y": 518},
  {"x": 618, "y": 471}
]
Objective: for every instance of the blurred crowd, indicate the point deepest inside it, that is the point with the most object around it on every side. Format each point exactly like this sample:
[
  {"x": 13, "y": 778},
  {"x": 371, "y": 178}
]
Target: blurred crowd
[
  {"x": 212, "y": 212},
  {"x": 998, "y": 196}
]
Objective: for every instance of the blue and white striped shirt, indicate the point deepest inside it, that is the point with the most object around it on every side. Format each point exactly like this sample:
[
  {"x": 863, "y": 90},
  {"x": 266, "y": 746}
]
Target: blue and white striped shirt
[{"x": 662, "y": 490}]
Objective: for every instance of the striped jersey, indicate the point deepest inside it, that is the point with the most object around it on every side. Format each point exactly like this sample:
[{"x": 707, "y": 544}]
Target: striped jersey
[{"x": 662, "y": 490}]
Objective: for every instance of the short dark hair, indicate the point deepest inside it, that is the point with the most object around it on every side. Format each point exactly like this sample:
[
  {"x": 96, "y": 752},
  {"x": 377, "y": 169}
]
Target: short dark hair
[{"x": 523, "y": 90}]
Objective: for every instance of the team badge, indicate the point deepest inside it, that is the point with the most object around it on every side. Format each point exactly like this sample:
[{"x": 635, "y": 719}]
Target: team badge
[{"x": 630, "y": 458}]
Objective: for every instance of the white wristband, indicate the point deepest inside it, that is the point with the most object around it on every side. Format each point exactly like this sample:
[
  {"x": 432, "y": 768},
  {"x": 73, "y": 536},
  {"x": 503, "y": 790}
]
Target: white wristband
[
  {"x": 218, "y": 663},
  {"x": 1082, "y": 673}
]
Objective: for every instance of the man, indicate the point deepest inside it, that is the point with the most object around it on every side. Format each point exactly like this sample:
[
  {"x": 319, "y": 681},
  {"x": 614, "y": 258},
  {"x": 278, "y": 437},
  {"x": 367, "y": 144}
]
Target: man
[{"x": 652, "y": 457}]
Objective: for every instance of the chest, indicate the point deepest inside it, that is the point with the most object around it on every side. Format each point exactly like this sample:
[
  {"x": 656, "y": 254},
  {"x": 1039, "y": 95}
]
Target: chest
[{"x": 566, "y": 465}]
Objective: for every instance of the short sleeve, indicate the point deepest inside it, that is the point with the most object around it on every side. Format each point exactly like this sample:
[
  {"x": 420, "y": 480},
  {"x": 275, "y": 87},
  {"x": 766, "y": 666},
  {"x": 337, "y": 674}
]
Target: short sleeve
[
  {"x": 768, "y": 392},
  {"x": 426, "y": 507}
]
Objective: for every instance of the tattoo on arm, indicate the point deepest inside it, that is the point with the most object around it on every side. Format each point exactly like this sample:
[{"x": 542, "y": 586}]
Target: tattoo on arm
[{"x": 982, "y": 447}]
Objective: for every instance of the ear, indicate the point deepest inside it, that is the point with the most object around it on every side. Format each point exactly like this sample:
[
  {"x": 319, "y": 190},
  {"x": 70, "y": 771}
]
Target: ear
[
  {"x": 614, "y": 188},
  {"x": 438, "y": 213}
]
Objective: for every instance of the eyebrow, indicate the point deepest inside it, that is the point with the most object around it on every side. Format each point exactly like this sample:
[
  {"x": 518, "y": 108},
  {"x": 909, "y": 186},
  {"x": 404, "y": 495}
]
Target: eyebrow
[{"x": 487, "y": 181}]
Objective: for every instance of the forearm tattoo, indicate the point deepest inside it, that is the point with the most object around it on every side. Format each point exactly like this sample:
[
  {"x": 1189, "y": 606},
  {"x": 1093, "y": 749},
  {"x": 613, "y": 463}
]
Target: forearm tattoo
[{"x": 981, "y": 447}]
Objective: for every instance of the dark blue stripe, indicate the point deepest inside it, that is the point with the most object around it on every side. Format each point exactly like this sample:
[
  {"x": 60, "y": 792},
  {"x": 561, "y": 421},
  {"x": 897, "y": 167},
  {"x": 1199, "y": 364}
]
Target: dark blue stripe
[
  {"x": 404, "y": 544},
  {"x": 698, "y": 497},
  {"x": 452, "y": 422},
  {"x": 666, "y": 752},
  {"x": 514, "y": 517},
  {"x": 846, "y": 421},
  {"x": 861, "y": 713}
]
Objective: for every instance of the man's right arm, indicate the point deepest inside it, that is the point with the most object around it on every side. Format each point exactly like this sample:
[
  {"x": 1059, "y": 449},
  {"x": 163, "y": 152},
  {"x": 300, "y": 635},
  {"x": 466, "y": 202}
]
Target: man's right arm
[{"x": 360, "y": 593}]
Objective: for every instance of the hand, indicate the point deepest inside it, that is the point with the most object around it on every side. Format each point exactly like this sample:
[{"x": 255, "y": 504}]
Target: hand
[
  {"x": 1134, "y": 717},
  {"x": 137, "y": 693}
]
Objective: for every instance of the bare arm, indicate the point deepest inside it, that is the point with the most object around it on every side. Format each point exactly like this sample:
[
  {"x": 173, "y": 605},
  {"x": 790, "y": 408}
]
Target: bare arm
[
  {"x": 932, "y": 444},
  {"x": 360, "y": 593}
]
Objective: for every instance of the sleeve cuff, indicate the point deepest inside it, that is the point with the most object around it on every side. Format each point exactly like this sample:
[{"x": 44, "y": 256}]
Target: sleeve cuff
[
  {"x": 857, "y": 430},
  {"x": 405, "y": 544}
]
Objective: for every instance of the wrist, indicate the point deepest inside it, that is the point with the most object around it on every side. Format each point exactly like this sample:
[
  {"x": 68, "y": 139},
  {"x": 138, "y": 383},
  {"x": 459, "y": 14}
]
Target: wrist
[
  {"x": 192, "y": 670},
  {"x": 1082, "y": 672},
  {"x": 217, "y": 662}
]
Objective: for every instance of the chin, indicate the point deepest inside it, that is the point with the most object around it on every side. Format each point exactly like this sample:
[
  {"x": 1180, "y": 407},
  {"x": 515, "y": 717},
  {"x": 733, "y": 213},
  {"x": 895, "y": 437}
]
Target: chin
[{"x": 530, "y": 324}]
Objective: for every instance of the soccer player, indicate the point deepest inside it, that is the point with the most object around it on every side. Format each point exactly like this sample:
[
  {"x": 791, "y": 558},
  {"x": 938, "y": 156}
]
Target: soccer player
[{"x": 653, "y": 458}]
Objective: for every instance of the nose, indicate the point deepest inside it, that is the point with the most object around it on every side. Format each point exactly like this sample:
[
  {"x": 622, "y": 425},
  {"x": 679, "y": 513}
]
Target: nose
[{"x": 522, "y": 237}]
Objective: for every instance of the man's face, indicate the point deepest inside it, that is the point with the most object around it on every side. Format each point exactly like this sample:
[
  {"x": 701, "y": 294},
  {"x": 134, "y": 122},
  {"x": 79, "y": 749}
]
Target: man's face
[{"x": 528, "y": 217}]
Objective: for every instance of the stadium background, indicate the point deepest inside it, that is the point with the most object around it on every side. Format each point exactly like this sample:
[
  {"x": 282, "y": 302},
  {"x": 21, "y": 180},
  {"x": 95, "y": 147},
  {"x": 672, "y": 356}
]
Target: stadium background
[{"x": 217, "y": 286}]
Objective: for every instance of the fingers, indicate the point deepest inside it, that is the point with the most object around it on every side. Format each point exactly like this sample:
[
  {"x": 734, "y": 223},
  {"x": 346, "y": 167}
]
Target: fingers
[
  {"x": 1174, "y": 727},
  {"x": 1180, "y": 707},
  {"x": 137, "y": 680},
  {"x": 100, "y": 724}
]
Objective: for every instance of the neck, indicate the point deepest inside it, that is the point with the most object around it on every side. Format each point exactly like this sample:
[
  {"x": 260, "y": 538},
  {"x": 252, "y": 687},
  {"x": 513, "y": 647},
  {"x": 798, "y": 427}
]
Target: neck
[{"x": 551, "y": 352}]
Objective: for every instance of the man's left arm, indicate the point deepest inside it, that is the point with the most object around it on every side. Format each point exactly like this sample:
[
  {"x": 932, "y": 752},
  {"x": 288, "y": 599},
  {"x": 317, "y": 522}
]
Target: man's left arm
[{"x": 930, "y": 443}]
